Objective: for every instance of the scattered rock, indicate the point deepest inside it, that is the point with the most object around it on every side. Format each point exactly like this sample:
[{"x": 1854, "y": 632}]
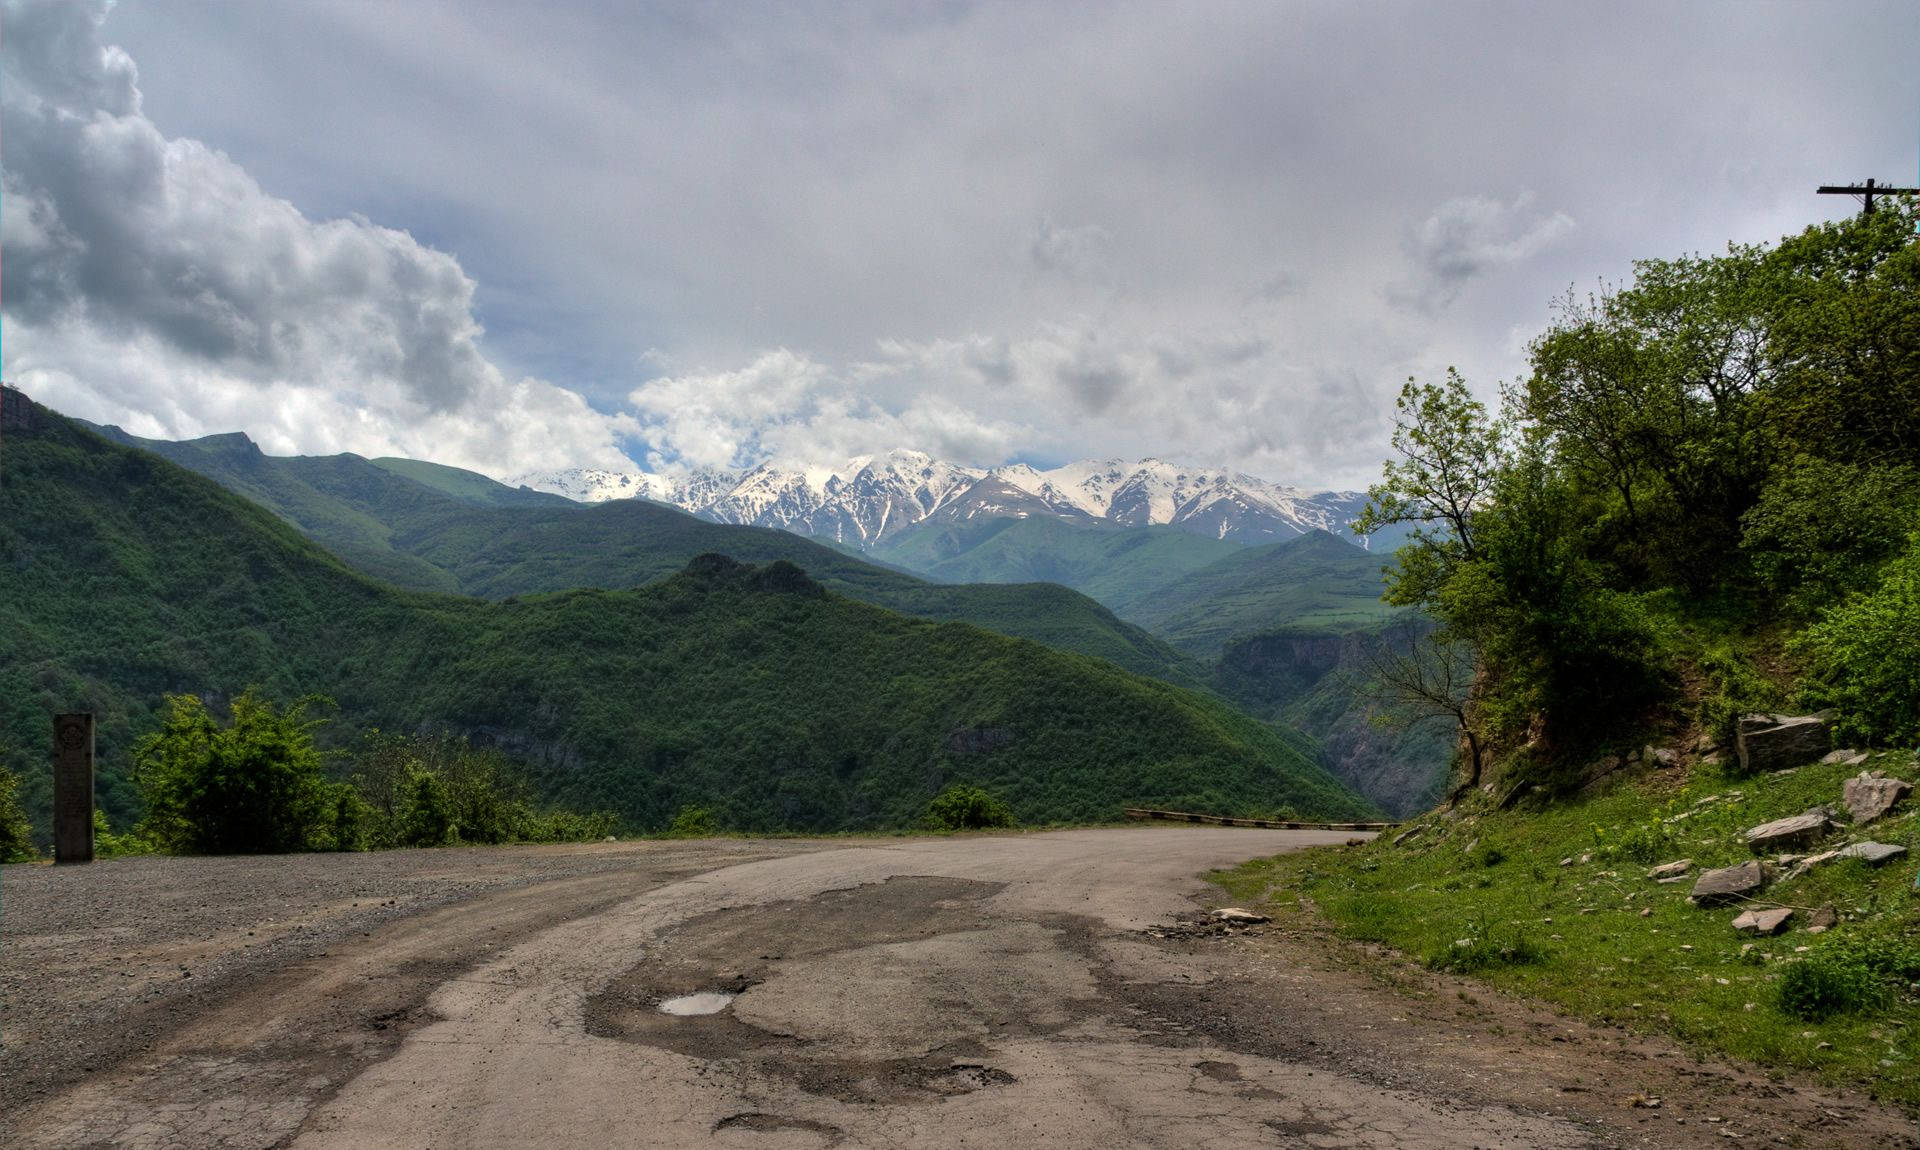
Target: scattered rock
[
  {"x": 1672, "y": 869},
  {"x": 1646, "y": 912},
  {"x": 1873, "y": 853},
  {"x": 1568, "y": 861},
  {"x": 1763, "y": 922},
  {"x": 1704, "y": 743},
  {"x": 1798, "y": 831},
  {"x": 1728, "y": 883},
  {"x": 1409, "y": 833},
  {"x": 1770, "y": 742},
  {"x": 1868, "y": 797},
  {"x": 1234, "y": 914},
  {"x": 1845, "y": 756},
  {"x": 1823, "y": 919},
  {"x": 1662, "y": 756}
]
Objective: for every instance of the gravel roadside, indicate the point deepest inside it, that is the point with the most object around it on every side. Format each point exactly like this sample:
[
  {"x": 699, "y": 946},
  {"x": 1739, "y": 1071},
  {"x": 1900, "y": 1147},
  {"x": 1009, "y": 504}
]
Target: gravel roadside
[{"x": 97, "y": 962}]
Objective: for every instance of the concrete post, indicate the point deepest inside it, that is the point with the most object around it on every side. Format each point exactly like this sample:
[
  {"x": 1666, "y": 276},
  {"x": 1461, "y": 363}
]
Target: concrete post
[{"x": 73, "y": 788}]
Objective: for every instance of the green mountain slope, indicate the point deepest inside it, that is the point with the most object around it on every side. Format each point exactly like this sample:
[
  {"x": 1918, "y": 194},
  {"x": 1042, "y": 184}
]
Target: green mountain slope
[
  {"x": 1315, "y": 580},
  {"x": 468, "y": 486},
  {"x": 428, "y": 527},
  {"x": 1112, "y": 564},
  {"x": 752, "y": 689}
]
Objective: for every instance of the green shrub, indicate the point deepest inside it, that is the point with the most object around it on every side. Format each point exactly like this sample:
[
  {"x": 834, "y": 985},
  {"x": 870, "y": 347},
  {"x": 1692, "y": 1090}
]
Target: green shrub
[
  {"x": 1848, "y": 975},
  {"x": 1828, "y": 983},
  {"x": 1866, "y": 655},
  {"x": 107, "y": 845},
  {"x": 1821, "y": 528},
  {"x": 16, "y": 834},
  {"x": 693, "y": 823},
  {"x": 255, "y": 786},
  {"x": 570, "y": 827},
  {"x": 963, "y": 808}
]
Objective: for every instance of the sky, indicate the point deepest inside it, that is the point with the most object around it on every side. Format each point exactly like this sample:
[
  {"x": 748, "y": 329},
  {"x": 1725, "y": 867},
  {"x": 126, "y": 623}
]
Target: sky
[{"x": 512, "y": 236}]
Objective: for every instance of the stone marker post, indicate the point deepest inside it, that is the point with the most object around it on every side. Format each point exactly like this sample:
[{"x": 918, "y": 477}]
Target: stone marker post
[{"x": 73, "y": 788}]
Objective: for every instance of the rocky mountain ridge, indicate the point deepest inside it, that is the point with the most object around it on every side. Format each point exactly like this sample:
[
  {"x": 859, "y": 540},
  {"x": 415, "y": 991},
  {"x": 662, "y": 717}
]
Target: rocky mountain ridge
[{"x": 868, "y": 499}]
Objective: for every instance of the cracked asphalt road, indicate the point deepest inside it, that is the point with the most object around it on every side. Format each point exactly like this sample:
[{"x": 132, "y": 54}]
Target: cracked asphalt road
[{"x": 970, "y": 991}]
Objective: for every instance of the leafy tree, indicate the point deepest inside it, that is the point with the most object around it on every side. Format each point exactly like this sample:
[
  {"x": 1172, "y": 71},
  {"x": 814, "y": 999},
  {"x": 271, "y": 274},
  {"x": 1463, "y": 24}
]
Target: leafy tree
[
  {"x": 16, "y": 834},
  {"x": 964, "y": 808},
  {"x": 425, "y": 816},
  {"x": 1451, "y": 453},
  {"x": 255, "y": 786}
]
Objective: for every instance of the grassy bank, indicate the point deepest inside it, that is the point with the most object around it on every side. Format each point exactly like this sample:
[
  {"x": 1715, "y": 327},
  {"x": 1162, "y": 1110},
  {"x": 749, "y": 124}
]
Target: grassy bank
[{"x": 1558, "y": 905}]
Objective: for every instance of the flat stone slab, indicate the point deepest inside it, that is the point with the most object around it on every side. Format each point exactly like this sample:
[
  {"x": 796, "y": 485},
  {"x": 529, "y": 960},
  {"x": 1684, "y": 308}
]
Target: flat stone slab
[
  {"x": 1763, "y": 922},
  {"x": 1873, "y": 853},
  {"x": 1868, "y": 797},
  {"x": 1798, "y": 831},
  {"x": 1728, "y": 883},
  {"x": 1772, "y": 742},
  {"x": 1673, "y": 869},
  {"x": 1234, "y": 914},
  {"x": 1846, "y": 756}
]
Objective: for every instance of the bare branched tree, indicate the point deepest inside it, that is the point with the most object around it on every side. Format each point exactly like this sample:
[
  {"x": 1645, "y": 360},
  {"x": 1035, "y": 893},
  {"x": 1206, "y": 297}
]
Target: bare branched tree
[{"x": 1419, "y": 671}]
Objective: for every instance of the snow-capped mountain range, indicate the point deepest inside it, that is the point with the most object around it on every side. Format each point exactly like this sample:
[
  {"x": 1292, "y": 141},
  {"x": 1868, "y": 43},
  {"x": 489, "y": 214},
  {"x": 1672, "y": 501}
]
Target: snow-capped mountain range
[{"x": 869, "y": 499}]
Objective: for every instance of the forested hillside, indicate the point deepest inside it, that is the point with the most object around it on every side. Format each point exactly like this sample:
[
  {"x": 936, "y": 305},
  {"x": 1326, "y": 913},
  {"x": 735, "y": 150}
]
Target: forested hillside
[{"x": 750, "y": 689}]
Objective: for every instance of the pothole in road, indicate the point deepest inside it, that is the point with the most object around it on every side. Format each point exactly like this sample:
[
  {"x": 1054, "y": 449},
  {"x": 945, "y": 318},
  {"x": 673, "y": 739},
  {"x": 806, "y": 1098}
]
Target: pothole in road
[
  {"x": 705, "y": 1002},
  {"x": 685, "y": 997}
]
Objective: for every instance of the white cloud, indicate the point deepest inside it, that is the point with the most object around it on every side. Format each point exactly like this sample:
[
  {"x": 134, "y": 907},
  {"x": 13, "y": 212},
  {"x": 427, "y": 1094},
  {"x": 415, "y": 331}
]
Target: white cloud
[{"x": 152, "y": 282}]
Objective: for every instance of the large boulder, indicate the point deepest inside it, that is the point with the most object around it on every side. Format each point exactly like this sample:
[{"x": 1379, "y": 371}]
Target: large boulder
[
  {"x": 1775, "y": 742},
  {"x": 1729, "y": 884},
  {"x": 1787, "y": 834},
  {"x": 1870, "y": 796}
]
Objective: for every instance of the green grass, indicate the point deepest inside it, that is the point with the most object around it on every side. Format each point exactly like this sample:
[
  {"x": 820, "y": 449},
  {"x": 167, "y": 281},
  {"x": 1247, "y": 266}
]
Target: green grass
[{"x": 1486, "y": 895}]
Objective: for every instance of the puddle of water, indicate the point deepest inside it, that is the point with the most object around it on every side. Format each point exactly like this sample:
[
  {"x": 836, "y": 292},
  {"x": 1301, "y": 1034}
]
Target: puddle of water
[{"x": 706, "y": 1002}]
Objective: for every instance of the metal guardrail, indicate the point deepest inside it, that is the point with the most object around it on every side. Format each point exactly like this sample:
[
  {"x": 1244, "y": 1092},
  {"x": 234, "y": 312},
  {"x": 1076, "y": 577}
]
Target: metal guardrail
[{"x": 1265, "y": 824}]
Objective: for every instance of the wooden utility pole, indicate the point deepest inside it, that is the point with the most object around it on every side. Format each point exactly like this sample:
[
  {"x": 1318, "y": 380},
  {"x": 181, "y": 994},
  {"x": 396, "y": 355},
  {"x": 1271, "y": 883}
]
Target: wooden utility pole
[{"x": 1866, "y": 192}]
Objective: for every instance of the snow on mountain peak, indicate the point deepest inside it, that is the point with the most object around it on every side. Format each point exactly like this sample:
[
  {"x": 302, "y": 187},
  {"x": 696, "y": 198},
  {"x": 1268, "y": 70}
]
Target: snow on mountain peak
[{"x": 865, "y": 498}]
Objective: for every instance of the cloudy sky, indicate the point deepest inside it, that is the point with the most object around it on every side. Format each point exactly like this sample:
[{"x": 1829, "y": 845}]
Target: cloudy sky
[{"x": 511, "y": 236}]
